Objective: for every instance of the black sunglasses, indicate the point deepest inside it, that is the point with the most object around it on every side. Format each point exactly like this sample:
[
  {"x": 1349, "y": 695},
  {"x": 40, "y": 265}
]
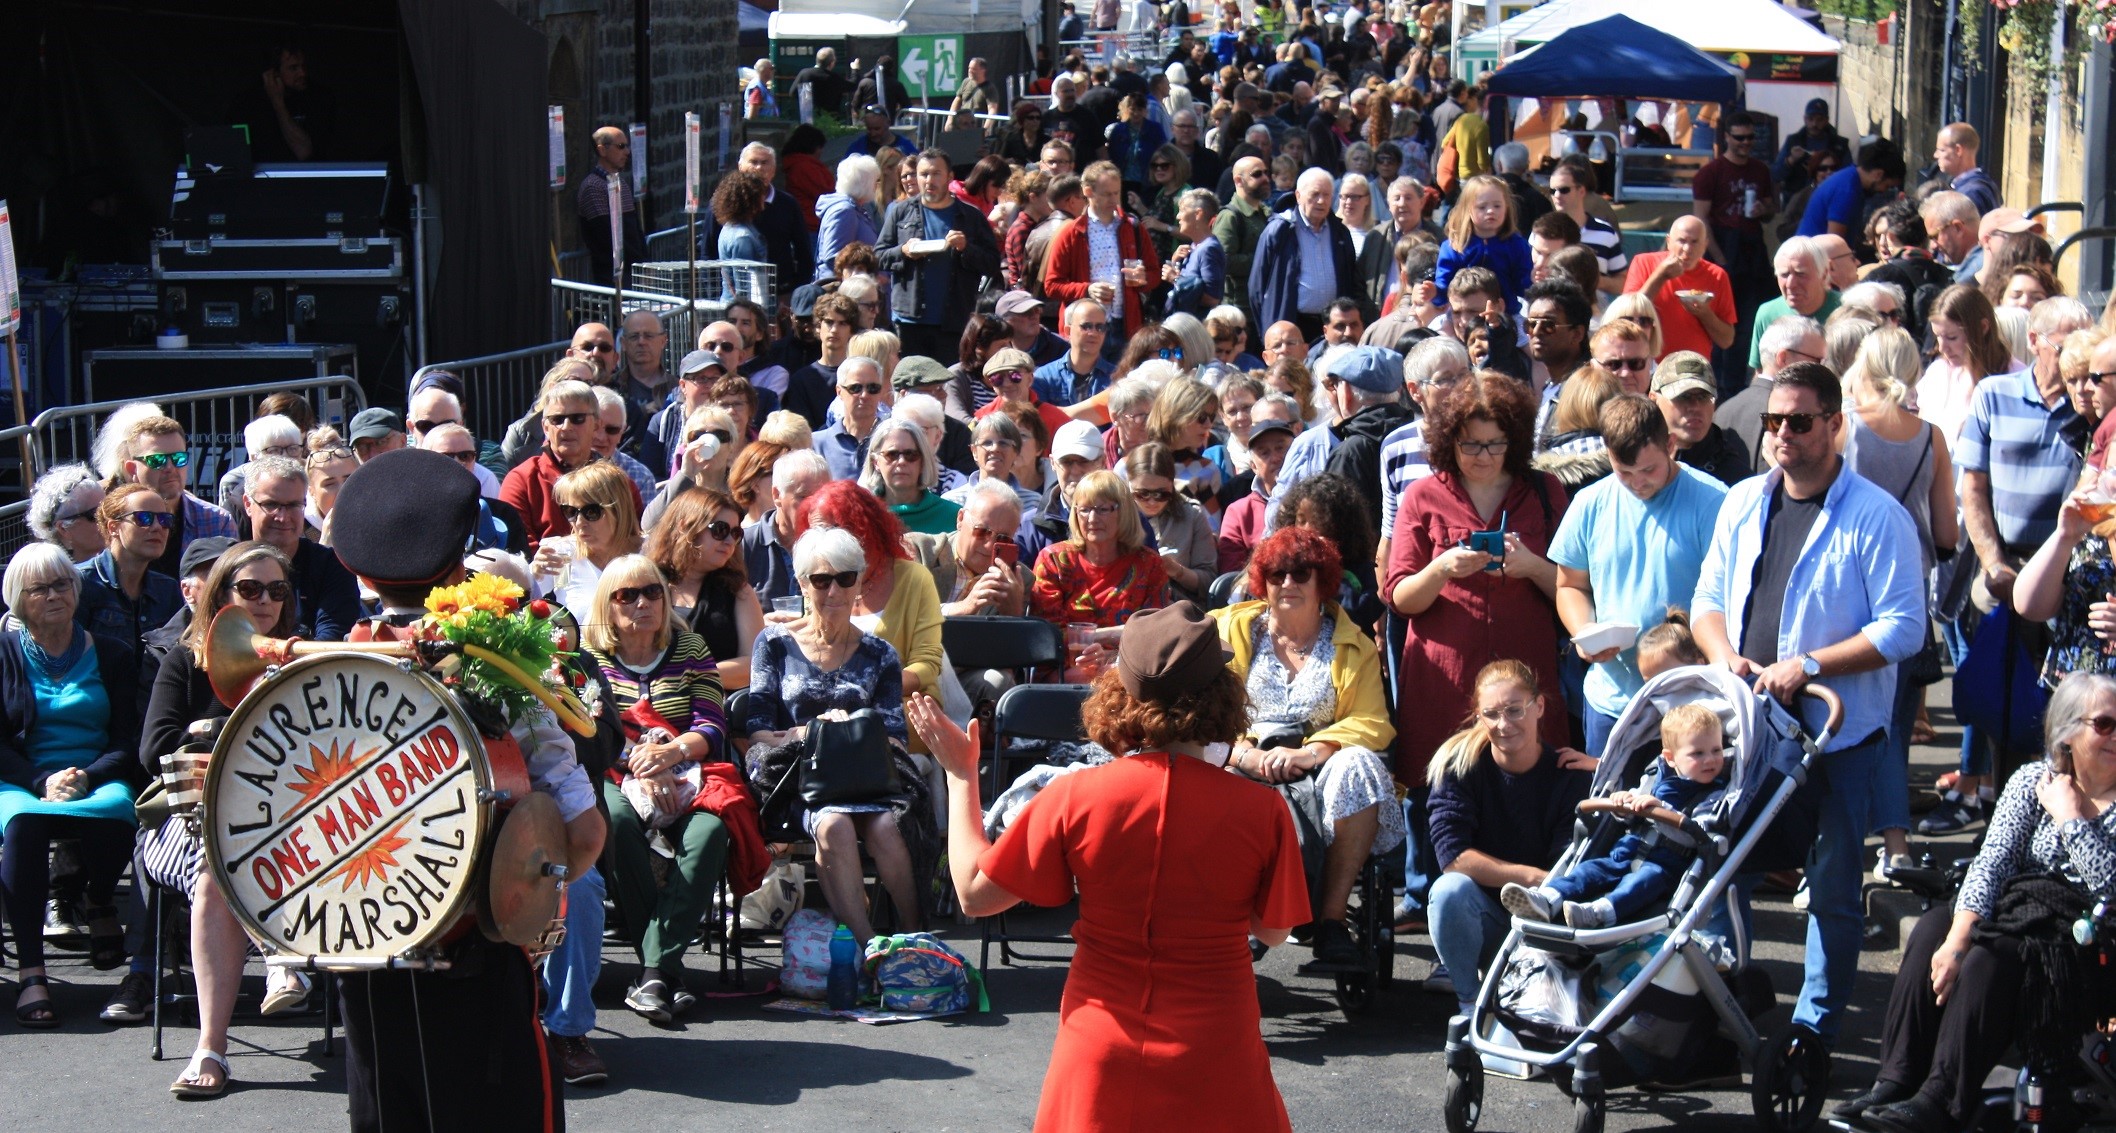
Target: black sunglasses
[
  {"x": 722, "y": 530},
  {"x": 857, "y": 388},
  {"x": 1798, "y": 424},
  {"x": 586, "y": 513},
  {"x": 1623, "y": 363},
  {"x": 633, "y": 595},
  {"x": 843, "y": 580},
  {"x": 1292, "y": 576},
  {"x": 1152, "y": 495},
  {"x": 2102, "y": 725},
  {"x": 556, "y": 419},
  {"x": 250, "y": 590},
  {"x": 467, "y": 456}
]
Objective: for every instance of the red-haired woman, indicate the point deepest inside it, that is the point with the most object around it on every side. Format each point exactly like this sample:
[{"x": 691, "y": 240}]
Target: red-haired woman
[
  {"x": 1469, "y": 608},
  {"x": 1318, "y": 720},
  {"x": 897, "y": 590}
]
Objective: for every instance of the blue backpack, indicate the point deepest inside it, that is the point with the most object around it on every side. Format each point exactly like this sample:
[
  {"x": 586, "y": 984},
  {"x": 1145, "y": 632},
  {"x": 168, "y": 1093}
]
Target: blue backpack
[{"x": 918, "y": 972}]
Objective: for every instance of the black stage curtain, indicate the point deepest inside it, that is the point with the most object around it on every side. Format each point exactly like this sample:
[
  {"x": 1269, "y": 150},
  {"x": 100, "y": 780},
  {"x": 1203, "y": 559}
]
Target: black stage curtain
[{"x": 480, "y": 109}]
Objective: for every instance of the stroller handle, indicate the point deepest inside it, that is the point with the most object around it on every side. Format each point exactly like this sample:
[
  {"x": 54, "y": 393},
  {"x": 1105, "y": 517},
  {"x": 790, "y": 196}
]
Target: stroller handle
[
  {"x": 1657, "y": 812},
  {"x": 1829, "y": 700}
]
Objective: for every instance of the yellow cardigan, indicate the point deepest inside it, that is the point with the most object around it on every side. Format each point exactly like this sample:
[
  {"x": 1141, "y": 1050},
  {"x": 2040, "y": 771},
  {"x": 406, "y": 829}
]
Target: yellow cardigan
[
  {"x": 1362, "y": 706},
  {"x": 910, "y": 623}
]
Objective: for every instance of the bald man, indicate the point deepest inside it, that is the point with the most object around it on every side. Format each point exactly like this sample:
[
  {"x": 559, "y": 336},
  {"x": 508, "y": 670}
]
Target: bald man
[
  {"x": 613, "y": 156},
  {"x": 1955, "y": 155},
  {"x": 1843, "y": 262},
  {"x": 1241, "y": 224},
  {"x": 786, "y": 237},
  {"x": 1692, "y": 295}
]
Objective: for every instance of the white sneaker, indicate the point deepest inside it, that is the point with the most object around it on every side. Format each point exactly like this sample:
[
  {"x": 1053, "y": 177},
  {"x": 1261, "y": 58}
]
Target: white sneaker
[
  {"x": 1585, "y": 914},
  {"x": 1800, "y": 896},
  {"x": 1524, "y": 901},
  {"x": 1889, "y": 862}
]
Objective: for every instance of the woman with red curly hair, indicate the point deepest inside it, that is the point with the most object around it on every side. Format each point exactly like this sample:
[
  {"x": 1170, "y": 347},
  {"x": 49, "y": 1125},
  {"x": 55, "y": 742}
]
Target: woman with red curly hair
[
  {"x": 896, "y": 590},
  {"x": 1318, "y": 721},
  {"x": 1468, "y": 608}
]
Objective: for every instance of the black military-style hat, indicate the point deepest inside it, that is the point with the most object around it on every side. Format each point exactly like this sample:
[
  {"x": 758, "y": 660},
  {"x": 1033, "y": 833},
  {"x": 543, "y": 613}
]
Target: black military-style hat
[{"x": 404, "y": 518}]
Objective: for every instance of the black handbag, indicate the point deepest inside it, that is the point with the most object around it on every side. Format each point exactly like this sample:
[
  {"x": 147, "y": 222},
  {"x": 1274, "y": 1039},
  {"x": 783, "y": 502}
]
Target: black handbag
[{"x": 847, "y": 761}]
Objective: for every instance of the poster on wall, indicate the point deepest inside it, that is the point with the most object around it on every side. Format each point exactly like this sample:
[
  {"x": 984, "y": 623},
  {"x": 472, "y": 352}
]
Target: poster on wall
[
  {"x": 639, "y": 159},
  {"x": 558, "y": 147}
]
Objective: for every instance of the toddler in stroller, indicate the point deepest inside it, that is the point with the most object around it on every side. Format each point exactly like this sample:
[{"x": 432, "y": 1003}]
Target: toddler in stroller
[{"x": 1642, "y": 869}]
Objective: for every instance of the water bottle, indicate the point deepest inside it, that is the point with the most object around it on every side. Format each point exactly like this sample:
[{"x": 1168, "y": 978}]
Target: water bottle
[{"x": 844, "y": 987}]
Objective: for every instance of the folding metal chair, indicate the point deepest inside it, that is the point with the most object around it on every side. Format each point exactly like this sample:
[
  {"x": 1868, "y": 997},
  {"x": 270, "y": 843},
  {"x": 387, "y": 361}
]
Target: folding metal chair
[
  {"x": 1221, "y": 592},
  {"x": 1043, "y": 712},
  {"x": 1018, "y": 644},
  {"x": 168, "y": 912}
]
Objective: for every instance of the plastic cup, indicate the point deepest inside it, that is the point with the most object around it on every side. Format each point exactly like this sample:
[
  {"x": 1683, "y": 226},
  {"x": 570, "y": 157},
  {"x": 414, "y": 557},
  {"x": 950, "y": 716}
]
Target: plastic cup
[{"x": 788, "y": 607}]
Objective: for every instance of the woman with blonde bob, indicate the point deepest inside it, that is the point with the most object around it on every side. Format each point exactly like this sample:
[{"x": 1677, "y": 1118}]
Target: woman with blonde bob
[
  {"x": 1121, "y": 835},
  {"x": 1501, "y": 811},
  {"x": 1634, "y": 305},
  {"x": 642, "y": 655},
  {"x": 1104, "y": 573},
  {"x": 596, "y": 501}
]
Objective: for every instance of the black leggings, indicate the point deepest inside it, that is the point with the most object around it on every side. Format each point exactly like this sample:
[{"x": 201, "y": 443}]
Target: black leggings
[
  {"x": 1945, "y": 1052},
  {"x": 25, "y": 869}
]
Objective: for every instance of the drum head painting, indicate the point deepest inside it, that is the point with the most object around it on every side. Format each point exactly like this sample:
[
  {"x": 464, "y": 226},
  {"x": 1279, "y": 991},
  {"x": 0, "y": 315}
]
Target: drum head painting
[{"x": 342, "y": 812}]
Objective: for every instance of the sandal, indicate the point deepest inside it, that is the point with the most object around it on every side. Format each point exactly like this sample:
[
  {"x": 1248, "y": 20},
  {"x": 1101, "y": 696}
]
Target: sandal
[
  {"x": 192, "y": 1084},
  {"x": 37, "y": 1015},
  {"x": 106, "y": 937},
  {"x": 285, "y": 990},
  {"x": 649, "y": 1001}
]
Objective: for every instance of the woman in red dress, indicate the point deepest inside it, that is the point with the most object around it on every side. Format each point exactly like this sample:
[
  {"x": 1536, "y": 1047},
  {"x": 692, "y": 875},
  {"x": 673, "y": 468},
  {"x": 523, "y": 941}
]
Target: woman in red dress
[
  {"x": 1468, "y": 608},
  {"x": 1176, "y": 863}
]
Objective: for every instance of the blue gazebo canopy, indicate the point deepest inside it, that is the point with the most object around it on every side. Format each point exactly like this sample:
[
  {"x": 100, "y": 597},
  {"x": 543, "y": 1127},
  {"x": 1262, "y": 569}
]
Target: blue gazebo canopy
[{"x": 1617, "y": 57}]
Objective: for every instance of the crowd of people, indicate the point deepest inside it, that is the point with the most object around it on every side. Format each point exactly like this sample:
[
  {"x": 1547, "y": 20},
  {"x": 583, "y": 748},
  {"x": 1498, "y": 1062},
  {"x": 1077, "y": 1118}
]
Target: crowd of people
[{"x": 1269, "y": 325}]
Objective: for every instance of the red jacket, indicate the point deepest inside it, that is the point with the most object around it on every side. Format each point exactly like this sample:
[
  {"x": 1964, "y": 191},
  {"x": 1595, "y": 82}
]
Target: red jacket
[
  {"x": 527, "y": 489},
  {"x": 809, "y": 180},
  {"x": 1065, "y": 268}
]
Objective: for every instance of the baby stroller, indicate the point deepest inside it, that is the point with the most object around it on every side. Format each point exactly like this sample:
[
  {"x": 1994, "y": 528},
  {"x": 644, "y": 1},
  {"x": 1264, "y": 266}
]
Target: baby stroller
[{"x": 1661, "y": 990}]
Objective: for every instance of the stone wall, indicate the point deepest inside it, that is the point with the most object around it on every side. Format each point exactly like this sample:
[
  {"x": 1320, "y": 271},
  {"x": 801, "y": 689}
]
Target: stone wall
[{"x": 1892, "y": 89}]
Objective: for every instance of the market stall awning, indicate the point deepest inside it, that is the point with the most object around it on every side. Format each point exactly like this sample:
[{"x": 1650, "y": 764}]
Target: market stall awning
[{"x": 1617, "y": 57}]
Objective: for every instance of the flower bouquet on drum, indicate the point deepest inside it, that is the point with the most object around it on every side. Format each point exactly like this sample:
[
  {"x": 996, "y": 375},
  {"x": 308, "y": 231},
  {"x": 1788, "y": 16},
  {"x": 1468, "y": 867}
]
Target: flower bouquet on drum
[{"x": 510, "y": 649}]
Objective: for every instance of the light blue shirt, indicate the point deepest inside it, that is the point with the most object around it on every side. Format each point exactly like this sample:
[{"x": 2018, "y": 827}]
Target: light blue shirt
[
  {"x": 1318, "y": 266},
  {"x": 1641, "y": 557},
  {"x": 1308, "y": 455},
  {"x": 1860, "y": 572}
]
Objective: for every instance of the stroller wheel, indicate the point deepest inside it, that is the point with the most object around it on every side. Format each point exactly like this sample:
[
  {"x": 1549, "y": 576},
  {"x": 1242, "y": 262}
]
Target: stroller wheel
[
  {"x": 1792, "y": 1080},
  {"x": 1462, "y": 1099},
  {"x": 1588, "y": 1115},
  {"x": 1355, "y": 993}
]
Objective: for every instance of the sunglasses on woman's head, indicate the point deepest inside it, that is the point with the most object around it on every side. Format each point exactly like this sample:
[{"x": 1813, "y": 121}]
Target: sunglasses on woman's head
[
  {"x": 843, "y": 580},
  {"x": 327, "y": 455},
  {"x": 1797, "y": 424},
  {"x": 161, "y": 519},
  {"x": 633, "y": 595},
  {"x": 586, "y": 513},
  {"x": 250, "y": 590},
  {"x": 160, "y": 460}
]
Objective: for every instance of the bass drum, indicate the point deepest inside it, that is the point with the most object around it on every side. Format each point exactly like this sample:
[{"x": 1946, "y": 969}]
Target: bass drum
[{"x": 345, "y": 810}]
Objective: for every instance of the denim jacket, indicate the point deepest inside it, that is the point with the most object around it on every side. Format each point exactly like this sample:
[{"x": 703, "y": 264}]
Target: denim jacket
[{"x": 1859, "y": 572}]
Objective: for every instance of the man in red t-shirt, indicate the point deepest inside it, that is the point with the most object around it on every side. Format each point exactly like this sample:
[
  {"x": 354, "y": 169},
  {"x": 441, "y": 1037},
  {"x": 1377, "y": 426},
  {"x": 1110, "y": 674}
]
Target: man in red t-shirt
[{"x": 1703, "y": 319}]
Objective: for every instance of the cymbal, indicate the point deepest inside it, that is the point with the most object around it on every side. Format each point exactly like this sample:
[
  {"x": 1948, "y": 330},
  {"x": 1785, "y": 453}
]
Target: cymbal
[{"x": 521, "y": 895}]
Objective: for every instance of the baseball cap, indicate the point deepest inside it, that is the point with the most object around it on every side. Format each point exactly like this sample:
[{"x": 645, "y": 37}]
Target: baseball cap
[
  {"x": 1078, "y": 438},
  {"x": 2005, "y": 219},
  {"x": 1375, "y": 369},
  {"x": 374, "y": 424},
  {"x": 1009, "y": 359},
  {"x": 1817, "y": 106},
  {"x": 918, "y": 370},
  {"x": 1330, "y": 92},
  {"x": 202, "y": 553},
  {"x": 699, "y": 360},
  {"x": 1017, "y": 303},
  {"x": 1258, "y": 426},
  {"x": 1685, "y": 371}
]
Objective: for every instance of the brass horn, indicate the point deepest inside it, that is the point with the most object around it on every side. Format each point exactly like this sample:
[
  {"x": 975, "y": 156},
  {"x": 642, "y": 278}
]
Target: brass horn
[{"x": 236, "y": 654}]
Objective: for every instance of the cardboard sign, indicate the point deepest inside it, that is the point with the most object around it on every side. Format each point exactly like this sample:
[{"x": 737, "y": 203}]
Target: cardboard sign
[{"x": 342, "y": 816}]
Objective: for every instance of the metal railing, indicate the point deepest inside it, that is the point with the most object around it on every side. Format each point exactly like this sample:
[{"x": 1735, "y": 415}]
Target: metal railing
[
  {"x": 14, "y": 528},
  {"x": 497, "y": 388},
  {"x": 718, "y": 282},
  {"x": 213, "y": 421}
]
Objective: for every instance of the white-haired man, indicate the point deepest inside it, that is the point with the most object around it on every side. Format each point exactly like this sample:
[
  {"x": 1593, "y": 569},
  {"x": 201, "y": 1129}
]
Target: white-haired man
[
  {"x": 433, "y": 407},
  {"x": 1304, "y": 259},
  {"x": 767, "y": 545},
  {"x": 1785, "y": 341},
  {"x": 1802, "y": 266},
  {"x": 568, "y": 411}
]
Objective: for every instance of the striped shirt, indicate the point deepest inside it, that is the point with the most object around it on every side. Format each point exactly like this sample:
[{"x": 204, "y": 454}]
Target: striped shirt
[
  {"x": 1606, "y": 241},
  {"x": 684, "y": 686},
  {"x": 2025, "y": 447},
  {"x": 1403, "y": 460}
]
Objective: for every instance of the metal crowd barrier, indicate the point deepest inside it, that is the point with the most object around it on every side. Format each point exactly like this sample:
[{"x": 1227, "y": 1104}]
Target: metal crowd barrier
[
  {"x": 213, "y": 421},
  {"x": 663, "y": 290},
  {"x": 498, "y": 388},
  {"x": 14, "y": 528}
]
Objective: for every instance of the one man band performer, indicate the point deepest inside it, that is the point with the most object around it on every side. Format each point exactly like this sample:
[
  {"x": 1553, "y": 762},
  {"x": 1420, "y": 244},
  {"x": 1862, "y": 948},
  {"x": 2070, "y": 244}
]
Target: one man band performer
[{"x": 459, "y": 1048}]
